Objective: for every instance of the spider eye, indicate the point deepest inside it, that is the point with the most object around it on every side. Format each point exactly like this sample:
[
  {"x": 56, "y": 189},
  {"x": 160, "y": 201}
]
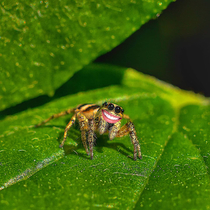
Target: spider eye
[
  {"x": 122, "y": 110},
  {"x": 110, "y": 106},
  {"x": 104, "y": 104},
  {"x": 117, "y": 109}
]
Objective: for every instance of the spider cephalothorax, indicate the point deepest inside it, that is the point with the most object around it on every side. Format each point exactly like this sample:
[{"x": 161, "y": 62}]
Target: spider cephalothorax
[{"x": 105, "y": 118}]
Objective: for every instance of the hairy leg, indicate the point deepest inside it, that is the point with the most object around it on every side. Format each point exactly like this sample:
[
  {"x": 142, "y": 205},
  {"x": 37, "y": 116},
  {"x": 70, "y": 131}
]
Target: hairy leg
[
  {"x": 83, "y": 123},
  {"x": 128, "y": 128},
  {"x": 55, "y": 116},
  {"x": 114, "y": 130},
  {"x": 103, "y": 126},
  {"x": 71, "y": 122},
  {"x": 91, "y": 136}
]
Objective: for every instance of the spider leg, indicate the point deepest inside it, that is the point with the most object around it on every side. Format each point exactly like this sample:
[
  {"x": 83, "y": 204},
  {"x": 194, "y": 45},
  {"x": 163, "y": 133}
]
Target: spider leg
[
  {"x": 84, "y": 140},
  {"x": 128, "y": 128},
  {"x": 91, "y": 136},
  {"x": 103, "y": 126},
  {"x": 55, "y": 116},
  {"x": 83, "y": 123},
  {"x": 114, "y": 130},
  {"x": 71, "y": 122}
]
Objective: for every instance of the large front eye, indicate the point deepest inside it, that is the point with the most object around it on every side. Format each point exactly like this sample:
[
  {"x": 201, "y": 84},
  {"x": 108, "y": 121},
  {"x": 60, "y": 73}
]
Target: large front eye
[
  {"x": 104, "y": 104},
  {"x": 110, "y": 106},
  {"x": 117, "y": 109}
]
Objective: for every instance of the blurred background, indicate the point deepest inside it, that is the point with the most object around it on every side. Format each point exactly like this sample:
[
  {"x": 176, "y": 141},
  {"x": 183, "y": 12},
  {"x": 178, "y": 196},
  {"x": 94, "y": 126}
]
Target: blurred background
[{"x": 174, "y": 47}]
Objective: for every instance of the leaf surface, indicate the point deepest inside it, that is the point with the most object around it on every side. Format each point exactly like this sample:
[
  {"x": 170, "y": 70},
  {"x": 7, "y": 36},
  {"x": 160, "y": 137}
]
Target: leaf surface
[
  {"x": 33, "y": 167},
  {"x": 44, "y": 43}
]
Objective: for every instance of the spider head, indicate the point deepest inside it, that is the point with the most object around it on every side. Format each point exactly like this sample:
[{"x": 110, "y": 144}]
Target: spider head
[{"x": 111, "y": 113}]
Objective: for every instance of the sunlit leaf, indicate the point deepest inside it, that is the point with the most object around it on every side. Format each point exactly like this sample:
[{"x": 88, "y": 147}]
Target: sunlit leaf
[{"x": 37, "y": 174}]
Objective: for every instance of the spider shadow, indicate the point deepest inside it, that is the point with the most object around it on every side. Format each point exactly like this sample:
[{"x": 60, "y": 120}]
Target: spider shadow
[
  {"x": 104, "y": 141},
  {"x": 68, "y": 149},
  {"x": 72, "y": 149},
  {"x": 100, "y": 142}
]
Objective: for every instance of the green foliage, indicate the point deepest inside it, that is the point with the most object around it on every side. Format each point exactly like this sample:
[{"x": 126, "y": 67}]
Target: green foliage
[
  {"x": 44, "y": 43},
  {"x": 173, "y": 172}
]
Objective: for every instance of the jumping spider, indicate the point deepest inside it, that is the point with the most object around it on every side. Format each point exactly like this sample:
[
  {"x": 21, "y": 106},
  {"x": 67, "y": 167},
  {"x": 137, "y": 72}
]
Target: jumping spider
[{"x": 105, "y": 118}]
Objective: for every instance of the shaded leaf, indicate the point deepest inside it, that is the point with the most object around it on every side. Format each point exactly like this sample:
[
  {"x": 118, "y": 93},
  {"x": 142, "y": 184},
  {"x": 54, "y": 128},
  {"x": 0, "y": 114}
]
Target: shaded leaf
[{"x": 44, "y": 43}]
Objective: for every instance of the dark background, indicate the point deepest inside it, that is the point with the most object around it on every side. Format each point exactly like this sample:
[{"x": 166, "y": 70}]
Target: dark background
[{"x": 174, "y": 47}]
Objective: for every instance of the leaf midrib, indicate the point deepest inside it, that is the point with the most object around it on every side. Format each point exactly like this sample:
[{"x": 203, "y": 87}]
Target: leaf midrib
[{"x": 175, "y": 129}]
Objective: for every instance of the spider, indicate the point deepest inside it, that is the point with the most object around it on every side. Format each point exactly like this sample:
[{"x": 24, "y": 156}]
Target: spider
[{"x": 105, "y": 118}]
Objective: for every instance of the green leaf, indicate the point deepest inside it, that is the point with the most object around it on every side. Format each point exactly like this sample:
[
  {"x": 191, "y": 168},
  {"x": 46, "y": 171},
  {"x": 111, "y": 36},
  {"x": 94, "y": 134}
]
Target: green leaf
[
  {"x": 180, "y": 180},
  {"x": 44, "y": 43},
  {"x": 195, "y": 124},
  {"x": 37, "y": 174}
]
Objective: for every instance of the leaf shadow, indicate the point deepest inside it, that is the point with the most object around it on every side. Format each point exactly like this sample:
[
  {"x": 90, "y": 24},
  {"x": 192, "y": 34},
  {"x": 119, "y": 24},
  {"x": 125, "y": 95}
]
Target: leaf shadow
[{"x": 102, "y": 75}]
